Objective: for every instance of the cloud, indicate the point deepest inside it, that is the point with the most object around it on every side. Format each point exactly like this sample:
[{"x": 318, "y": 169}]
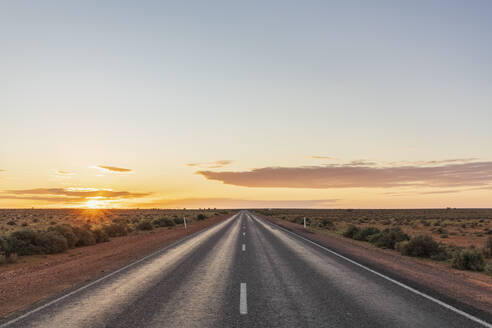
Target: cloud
[
  {"x": 44, "y": 199},
  {"x": 353, "y": 176},
  {"x": 324, "y": 157},
  {"x": 2, "y": 170},
  {"x": 78, "y": 192},
  {"x": 115, "y": 169},
  {"x": 64, "y": 173},
  {"x": 437, "y": 162},
  {"x": 69, "y": 195},
  {"x": 212, "y": 165},
  {"x": 441, "y": 192},
  {"x": 237, "y": 203}
]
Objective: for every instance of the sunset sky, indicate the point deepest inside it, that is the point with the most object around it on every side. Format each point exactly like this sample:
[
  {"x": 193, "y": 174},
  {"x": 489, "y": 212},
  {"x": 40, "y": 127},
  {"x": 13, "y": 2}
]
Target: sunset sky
[{"x": 327, "y": 104}]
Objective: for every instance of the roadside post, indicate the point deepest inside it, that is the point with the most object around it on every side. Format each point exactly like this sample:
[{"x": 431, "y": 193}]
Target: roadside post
[
  {"x": 304, "y": 222},
  {"x": 184, "y": 221}
]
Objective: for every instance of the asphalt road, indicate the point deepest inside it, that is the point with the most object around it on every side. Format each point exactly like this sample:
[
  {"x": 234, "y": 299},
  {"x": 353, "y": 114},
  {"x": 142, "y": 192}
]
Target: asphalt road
[{"x": 243, "y": 272}]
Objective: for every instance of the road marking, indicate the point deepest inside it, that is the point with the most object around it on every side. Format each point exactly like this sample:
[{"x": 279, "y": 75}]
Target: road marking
[
  {"x": 244, "y": 233},
  {"x": 243, "y": 300},
  {"x": 244, "y": 247},
  {"x": 413, "y": 290},
  {"x": 162, "y": 250}
]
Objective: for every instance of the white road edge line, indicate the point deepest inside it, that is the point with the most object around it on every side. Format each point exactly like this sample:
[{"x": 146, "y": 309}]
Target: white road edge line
[
  {"x": 244, "y": 247},
  {"x": 243, "y": 299},
  {"x": 177, "y": 242},
  {"x": 413, "y": 290}
]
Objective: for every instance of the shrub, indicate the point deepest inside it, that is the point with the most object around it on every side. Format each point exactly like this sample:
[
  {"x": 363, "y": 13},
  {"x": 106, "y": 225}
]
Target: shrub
[
  {"x": 85, "y": 236},
  {"x": 350, "y": 231},
  {"x": 364, "y": 233},
  {"x": 11, "y": 222},
  {"x": 25, "y": 242},
  {"x": 488, "y": 247},
  {"x": 388, "y": 238},
  {"x": 201, "y": 217},
  {"x": 178, "y": 221},
  {"x": 444, "y": 252},
  {"x": 116, "y": 229},
  {"x": 145, "y": 225},
  {"x": 164, "y": 222},
  {"x": 327, "y": 224},
  {"x": 469, "y": 259},
  {"x": 66, "y": 231},
  {"x": 420, "y": 246},
  {"x": 52, "y": 242},
  {"x": 5, "y": 247},
  {"x": 100, "y": 235}
]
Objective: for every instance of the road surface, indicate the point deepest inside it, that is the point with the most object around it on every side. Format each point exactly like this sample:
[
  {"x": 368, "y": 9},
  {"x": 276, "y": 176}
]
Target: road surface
[{"x": 243, "y": 272}]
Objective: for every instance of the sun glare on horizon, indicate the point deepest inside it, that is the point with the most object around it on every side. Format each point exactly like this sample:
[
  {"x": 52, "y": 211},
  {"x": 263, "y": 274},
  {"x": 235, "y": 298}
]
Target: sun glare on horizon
[{"x": 96, "y": 203}]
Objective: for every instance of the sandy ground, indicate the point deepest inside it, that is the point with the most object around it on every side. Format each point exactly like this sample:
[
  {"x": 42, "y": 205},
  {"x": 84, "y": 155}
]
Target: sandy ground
[
  {"x": 469, "y": 288},
  {"x": 38, "y": 277}
]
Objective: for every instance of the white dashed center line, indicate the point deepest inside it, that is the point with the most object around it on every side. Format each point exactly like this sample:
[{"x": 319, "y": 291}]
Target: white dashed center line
[
  {"x": 243, "y": 300},
  {"x": 244, "y": 247}
]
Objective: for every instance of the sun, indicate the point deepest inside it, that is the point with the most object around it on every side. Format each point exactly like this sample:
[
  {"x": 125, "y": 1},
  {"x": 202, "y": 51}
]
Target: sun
[{"x": 95, "y": 203}]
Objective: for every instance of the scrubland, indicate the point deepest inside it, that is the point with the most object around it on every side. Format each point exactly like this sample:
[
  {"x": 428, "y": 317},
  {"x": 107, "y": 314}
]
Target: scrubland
[{"x": 26, "y": 232}]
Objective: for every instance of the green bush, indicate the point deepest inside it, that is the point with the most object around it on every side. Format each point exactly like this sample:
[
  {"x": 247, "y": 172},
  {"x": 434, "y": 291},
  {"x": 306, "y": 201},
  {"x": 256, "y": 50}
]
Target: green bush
[
  {"x": 100, "y": 235},
  {"x": 327, "y": 224},
  {"x": 5, "y": 247},
  {"x": 178, "y": 221},
  {"x": 201, "y": 217},
  {"x": 52, "y": 242},
  {"x": 488, "y": 247},
  {"x": 469, "y": 259},
  {"x": 442, "y": 254},
  {"x": 145, "y": 225},
  {"x": 420, "y": 246},
  {"x": 388, "y": 238},
  {"x": 164, "y": 222},
  {"x": 364, "y": 233},
  {"x": 351, "y": 231},
  {"x": 85, "y": 236},
  {"x": 25, "y": 242},
  {"x": 116, "y": 229},
  {"x": 66, "y": 231}
]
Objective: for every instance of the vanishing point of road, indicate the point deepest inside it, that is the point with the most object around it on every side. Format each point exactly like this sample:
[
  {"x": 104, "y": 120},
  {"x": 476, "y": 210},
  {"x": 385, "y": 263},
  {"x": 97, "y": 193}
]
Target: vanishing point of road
[{"x": 244, "y": 272}]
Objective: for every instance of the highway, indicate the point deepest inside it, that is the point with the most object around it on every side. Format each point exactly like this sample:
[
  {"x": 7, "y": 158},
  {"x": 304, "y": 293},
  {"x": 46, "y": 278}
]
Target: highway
[{"x": 242, "y": 272}]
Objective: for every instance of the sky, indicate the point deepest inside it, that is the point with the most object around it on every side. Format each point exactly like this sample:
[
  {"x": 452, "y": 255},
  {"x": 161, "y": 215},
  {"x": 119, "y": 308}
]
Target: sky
[{"x": 172, "y": 104}]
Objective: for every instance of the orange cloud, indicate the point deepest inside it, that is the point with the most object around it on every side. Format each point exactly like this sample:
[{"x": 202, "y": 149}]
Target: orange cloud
[
  {"x": 359, "y": 175},
  {"x": 114, "y": 169},
  {"x": 212, "y": 165},
  {"x": 69, "y": 195},
  {"x": 64, "y": 173}
]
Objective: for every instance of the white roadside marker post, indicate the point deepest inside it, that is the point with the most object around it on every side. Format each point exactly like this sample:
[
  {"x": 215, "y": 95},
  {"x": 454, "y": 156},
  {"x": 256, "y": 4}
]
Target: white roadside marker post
[
  {"x": 304, "y": 222},
  {"x": 184, "y": 221}
]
